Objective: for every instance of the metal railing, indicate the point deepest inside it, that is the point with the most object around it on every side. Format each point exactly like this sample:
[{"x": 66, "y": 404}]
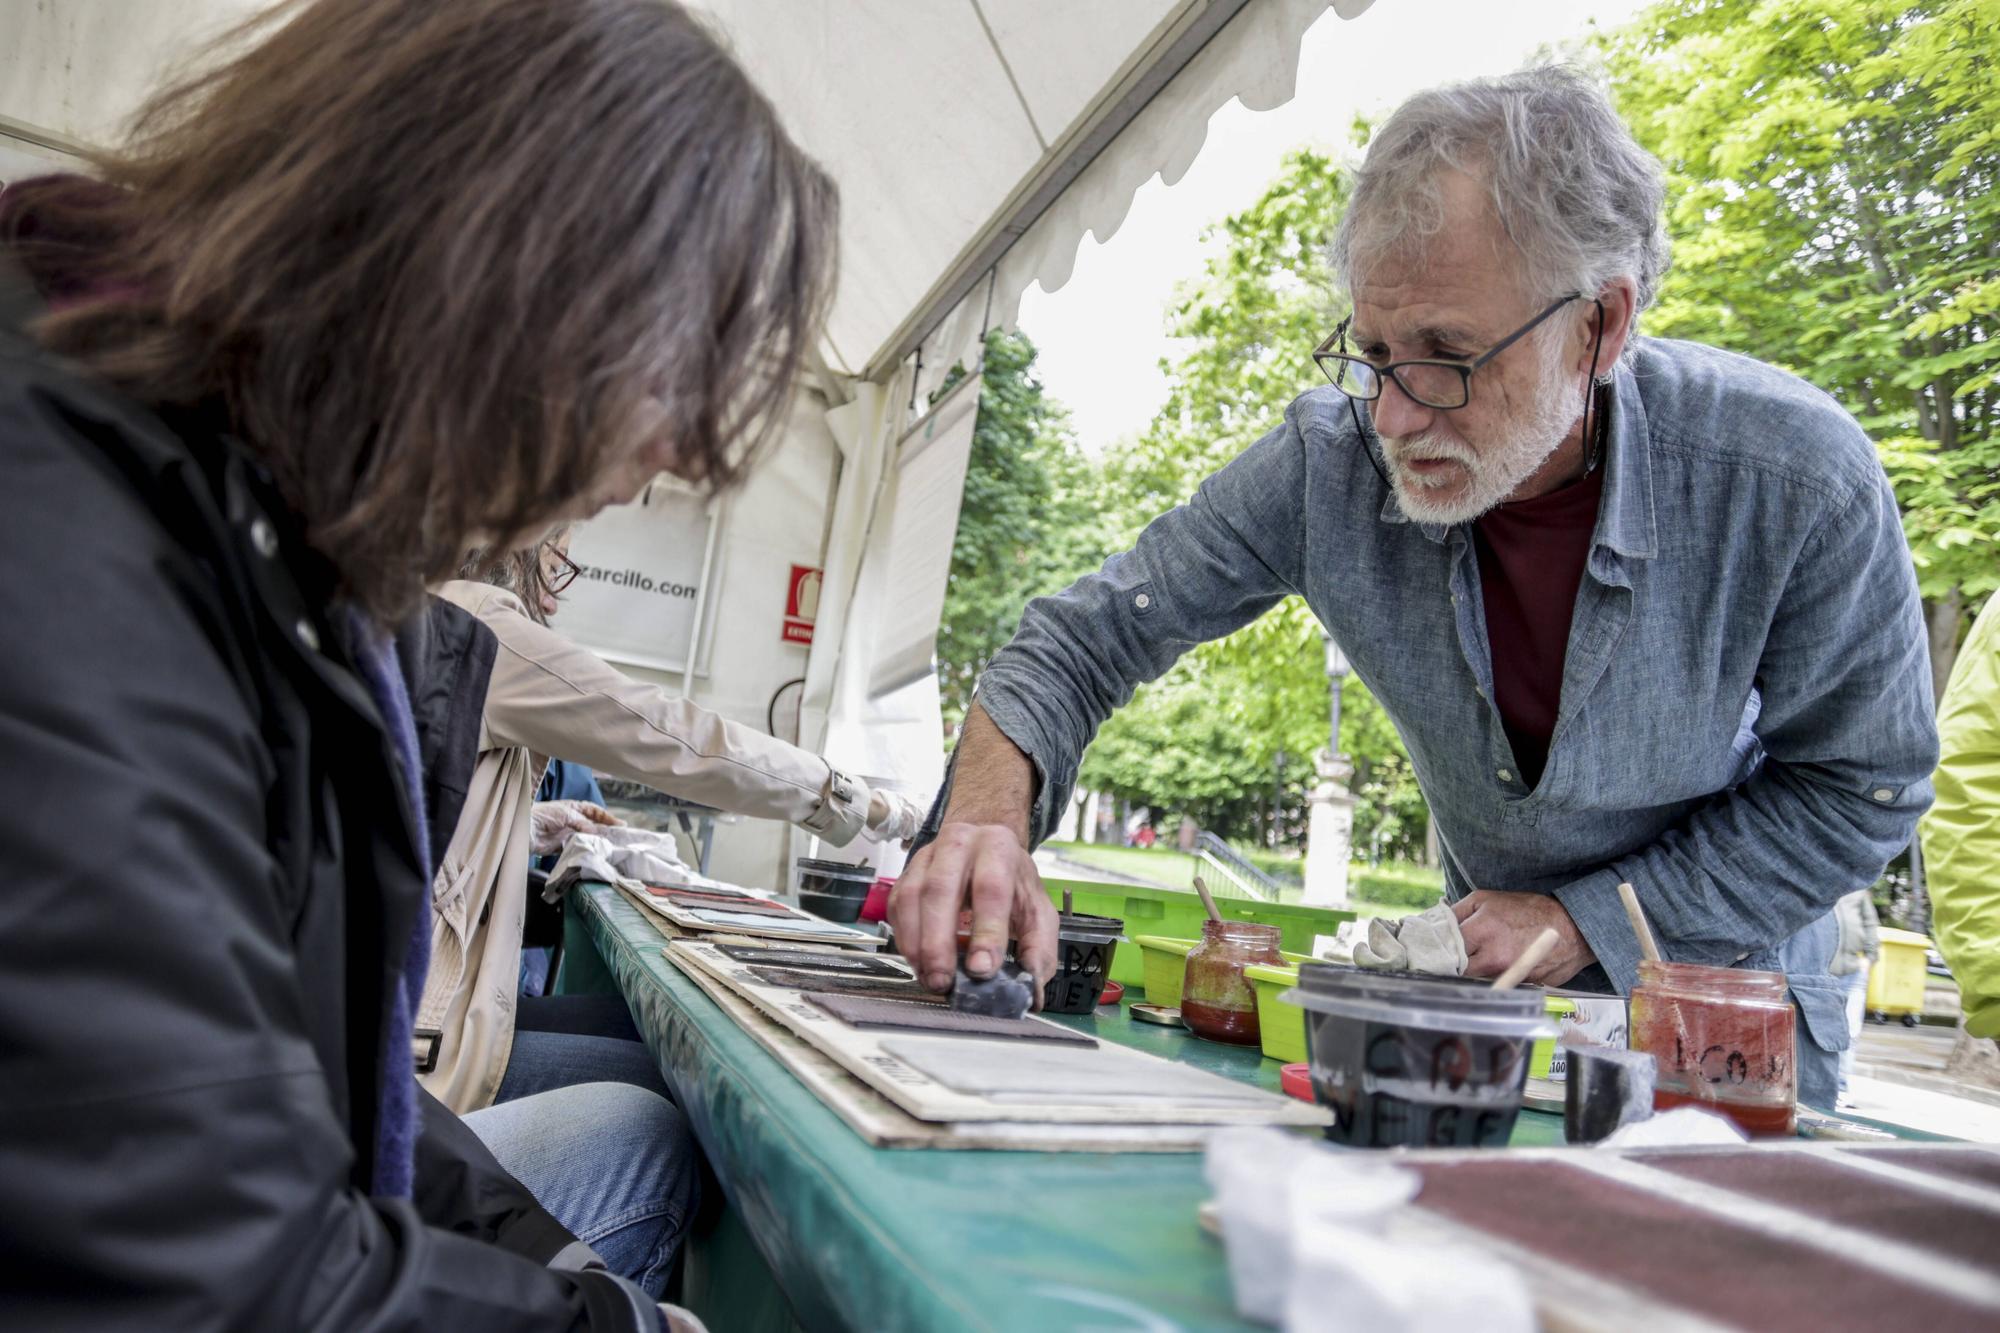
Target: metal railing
[{"x": 1238, "y": 868}]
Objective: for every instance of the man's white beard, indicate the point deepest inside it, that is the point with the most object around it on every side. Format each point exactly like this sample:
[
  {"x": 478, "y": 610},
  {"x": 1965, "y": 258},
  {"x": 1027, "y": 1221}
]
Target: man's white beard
[{"x": 1492, "y": 474}]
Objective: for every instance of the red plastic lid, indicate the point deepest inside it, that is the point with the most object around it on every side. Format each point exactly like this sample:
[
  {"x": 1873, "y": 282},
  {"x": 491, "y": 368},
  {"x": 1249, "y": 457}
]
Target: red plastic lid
[
  {"x": 1113, "y": 993},
  {"x": 1297, "y": 1080}
]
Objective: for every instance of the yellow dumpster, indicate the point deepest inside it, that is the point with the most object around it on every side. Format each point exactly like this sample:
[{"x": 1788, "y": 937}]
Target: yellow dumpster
[{"x": 1896, "y": 982}]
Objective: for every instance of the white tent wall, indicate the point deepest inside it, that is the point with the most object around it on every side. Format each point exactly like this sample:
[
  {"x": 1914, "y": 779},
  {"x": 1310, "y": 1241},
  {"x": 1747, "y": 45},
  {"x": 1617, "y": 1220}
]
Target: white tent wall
[
  {"x": 974, "y": 142},
  {"x": 777, "y": 519},
  {"x": 73, "y": 71}
]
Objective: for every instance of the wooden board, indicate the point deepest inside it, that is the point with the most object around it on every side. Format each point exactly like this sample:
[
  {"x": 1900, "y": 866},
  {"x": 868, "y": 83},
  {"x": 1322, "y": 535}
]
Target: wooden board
[
  {"x": 871, "y": 1056},
  {"x": 796, "y": 928},
  {"x": 1771, "y": 1237},
  {"x": 883, "y": 1124}
]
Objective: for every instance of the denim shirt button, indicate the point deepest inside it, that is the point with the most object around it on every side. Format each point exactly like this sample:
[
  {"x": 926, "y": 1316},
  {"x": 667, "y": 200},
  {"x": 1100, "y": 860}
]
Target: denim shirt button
[
  {"x": 1142, "y": 601},
  {"x": 1883, "y": 793},
  {"x": 1506, "y": 775}
]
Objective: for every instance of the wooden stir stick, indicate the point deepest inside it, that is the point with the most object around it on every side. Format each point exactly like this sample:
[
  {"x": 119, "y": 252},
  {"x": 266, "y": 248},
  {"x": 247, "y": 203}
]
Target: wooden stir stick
[
  {"x": 1538, "y": 949},
  {"x": 1206, "y": 901},
  {"x": 1630, "y": 897}
]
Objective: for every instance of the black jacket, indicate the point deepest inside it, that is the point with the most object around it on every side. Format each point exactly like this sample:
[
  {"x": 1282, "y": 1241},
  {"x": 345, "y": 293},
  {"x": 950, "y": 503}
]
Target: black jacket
[
  {"x": 210, "y": 876},
  {"x": 446, "y": 656}
]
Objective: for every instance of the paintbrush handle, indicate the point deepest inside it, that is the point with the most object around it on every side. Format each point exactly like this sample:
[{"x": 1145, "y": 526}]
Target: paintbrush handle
[
  {"x": 1531, "y": 957},
  {"x": 1630, "y": 897},
  {"x": 1206, "y": 900}
]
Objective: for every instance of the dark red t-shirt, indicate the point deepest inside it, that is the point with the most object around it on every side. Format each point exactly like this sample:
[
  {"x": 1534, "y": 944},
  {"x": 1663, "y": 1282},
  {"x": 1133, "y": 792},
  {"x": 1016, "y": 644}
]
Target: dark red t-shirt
[{"x": 1531, "y": 559}]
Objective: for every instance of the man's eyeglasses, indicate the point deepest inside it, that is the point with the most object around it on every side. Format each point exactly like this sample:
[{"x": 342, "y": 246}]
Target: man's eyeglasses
[
  {"x": 1437, "y": 383},
  {"x": 558, "y": 570}
]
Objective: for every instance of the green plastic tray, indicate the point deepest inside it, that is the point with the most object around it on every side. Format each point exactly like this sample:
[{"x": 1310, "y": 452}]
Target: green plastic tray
[{"x": 1177, "y": 914}]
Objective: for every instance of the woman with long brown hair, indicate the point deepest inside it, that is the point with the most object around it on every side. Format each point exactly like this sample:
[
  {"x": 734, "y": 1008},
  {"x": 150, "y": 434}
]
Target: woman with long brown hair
[{"x": 386, "y": 282}]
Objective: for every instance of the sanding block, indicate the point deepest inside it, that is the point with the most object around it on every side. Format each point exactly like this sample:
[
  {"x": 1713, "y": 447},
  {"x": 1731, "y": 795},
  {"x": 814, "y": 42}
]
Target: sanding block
[{"x": 1008, "y": 993}]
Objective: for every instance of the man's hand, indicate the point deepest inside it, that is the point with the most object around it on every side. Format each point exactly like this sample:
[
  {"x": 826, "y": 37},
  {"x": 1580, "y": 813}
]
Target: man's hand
[
  {"x": 980, "y": 858},
  {"x": 1498, "y": 926},
  {"x": 989, "y": 865}
]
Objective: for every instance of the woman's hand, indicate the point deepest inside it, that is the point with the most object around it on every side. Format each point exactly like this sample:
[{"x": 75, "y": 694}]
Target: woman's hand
[{"x": 551, "y": 823}]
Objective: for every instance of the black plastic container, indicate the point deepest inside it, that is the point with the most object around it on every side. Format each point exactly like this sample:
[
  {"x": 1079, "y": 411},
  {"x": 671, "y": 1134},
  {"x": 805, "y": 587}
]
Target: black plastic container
[
  {"x": 1417, "y": 1062},
  {"x": 1085, "y": 945},
  {"x": 834, "y": 890}
]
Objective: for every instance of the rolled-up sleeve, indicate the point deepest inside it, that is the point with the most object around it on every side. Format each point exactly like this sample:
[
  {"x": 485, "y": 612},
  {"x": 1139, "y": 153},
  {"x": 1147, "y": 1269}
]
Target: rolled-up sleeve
[
  {"x": 555, "y": 698},
  {"x": 1198, "y": 572}
]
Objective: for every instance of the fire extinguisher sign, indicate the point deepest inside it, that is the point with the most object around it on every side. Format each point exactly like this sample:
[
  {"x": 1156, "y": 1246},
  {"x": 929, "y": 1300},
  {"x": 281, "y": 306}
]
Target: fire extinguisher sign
[{"x": 801, "y": 605}]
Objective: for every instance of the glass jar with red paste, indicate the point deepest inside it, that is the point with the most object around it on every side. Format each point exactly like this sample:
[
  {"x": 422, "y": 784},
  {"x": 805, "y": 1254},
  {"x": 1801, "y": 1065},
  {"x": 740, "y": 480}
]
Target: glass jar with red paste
[
  {"x": 1722, "y": 1040},
  {"x": 1217, "y": 1000}
]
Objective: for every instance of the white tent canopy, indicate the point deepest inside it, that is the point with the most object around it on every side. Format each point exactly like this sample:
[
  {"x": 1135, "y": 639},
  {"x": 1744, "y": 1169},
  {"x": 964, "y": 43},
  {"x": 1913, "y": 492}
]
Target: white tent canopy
[{"x": 975, "y": 142}]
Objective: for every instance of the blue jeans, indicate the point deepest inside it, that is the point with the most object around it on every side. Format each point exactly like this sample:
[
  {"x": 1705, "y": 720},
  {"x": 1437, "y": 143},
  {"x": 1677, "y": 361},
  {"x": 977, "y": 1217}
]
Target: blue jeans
[
  {"x": 562, "y": 1040},
  {"x": 613, "y": 1163}
]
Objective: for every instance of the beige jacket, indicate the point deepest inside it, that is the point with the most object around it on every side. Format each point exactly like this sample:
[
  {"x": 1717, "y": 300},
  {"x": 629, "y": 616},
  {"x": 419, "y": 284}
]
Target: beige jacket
[{"x": 549, "y": 697}]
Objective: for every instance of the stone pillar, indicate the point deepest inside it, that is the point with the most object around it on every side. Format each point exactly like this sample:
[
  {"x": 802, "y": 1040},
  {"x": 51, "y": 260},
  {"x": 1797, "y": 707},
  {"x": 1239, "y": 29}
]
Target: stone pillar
[{"x": 1329, "y": 832}]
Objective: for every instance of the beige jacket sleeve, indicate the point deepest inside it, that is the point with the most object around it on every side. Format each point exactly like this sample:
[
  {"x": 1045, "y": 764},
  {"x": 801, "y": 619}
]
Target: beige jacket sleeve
[{"x": 554, "y": 698}]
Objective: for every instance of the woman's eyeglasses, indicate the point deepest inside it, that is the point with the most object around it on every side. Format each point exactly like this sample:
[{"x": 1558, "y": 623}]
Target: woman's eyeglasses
[{"x": 558, "y": 570}]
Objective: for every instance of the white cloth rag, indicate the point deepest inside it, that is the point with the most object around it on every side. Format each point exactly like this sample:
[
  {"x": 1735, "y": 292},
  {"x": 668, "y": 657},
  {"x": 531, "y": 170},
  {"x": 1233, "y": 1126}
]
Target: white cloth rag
[
  {"x": 1682, "y": 1127},
  {"x": 1309, "y": 1233},
  {"x": 621, "y": 853},
  {"x": 1428, "y": 942}
]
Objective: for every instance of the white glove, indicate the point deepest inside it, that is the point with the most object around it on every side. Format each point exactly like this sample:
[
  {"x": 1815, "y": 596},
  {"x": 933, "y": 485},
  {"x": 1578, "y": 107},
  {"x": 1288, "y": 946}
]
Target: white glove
[
  {"x": 892, "y": 817},
  {"x": 1428, "y": 942},
  {"x": 551, "y": 822}
]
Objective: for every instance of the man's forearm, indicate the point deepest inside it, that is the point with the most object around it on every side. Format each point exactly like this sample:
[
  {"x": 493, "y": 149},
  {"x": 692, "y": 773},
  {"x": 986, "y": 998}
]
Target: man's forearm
[{"x": 992, "y": 781}]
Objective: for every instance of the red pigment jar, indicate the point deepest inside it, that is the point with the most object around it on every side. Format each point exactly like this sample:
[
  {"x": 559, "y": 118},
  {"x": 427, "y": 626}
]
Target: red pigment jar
[
  {"x": 1722, "y": 1040},
  {"x": 1217, "y": 1001}
]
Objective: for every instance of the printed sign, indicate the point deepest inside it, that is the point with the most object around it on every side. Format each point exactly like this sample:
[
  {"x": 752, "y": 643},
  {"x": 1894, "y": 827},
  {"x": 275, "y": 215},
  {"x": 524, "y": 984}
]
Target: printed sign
[
  {"x": 642, "y": 570},
  {"x": 801, "y": 605}
]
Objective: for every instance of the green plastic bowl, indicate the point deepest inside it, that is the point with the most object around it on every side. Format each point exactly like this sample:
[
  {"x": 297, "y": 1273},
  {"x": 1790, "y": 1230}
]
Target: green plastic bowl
[
  {"x": 1165, "y": 962},
  {"x": 1545, "y": 1049},
  {"x": 1281, "y": 1027}
]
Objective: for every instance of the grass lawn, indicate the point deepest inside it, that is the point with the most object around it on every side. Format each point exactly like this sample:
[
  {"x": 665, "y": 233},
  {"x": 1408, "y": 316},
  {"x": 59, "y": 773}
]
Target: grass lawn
[{"x": 1375, "y": 891}]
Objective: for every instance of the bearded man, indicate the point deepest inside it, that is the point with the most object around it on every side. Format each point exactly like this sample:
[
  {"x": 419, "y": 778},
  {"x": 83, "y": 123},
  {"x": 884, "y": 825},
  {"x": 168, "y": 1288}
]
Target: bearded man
[{"x": 1641, "y": 610}]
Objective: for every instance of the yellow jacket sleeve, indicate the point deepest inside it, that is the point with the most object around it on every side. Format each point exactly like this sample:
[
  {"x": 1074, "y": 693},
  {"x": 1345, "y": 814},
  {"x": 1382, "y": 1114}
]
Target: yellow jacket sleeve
[{"x": 1961, "y": 834}]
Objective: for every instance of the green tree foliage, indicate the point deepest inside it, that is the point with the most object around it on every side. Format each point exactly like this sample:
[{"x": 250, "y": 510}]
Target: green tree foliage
[
  {"x": 1029, "y": 523},
  {"x": 1834, "y": 200},
  {"x": 1206, "y": 738}
]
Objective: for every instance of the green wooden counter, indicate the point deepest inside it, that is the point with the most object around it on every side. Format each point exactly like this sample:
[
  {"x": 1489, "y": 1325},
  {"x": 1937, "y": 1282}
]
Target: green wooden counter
[{"x": 866, "y": 1238}]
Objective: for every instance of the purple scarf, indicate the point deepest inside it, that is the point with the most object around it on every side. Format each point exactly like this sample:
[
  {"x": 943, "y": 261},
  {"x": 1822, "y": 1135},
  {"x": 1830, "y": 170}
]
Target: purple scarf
[{"x": 396, "y": 1119}]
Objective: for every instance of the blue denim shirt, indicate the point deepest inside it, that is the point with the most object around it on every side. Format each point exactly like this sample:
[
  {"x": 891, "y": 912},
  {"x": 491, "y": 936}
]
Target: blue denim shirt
[{"x": 1746, "y": 729}]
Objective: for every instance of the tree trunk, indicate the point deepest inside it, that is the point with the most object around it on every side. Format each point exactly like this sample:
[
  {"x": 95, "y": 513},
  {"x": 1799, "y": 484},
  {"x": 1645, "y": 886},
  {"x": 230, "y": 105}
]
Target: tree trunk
[{"x": 1943, "y": 618}]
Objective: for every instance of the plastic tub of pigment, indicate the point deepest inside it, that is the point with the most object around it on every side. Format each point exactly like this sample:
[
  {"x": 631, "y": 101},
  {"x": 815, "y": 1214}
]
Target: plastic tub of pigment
[
  {"x": 1085, "y": 945},
  {"x": 1405, "y": 1062},
  {"x": 834, "y": 890}
]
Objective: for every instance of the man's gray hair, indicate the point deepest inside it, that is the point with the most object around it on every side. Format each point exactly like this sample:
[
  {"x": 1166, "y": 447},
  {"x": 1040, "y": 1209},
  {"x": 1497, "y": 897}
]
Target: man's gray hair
[{"x": 1579, "y": 198}]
